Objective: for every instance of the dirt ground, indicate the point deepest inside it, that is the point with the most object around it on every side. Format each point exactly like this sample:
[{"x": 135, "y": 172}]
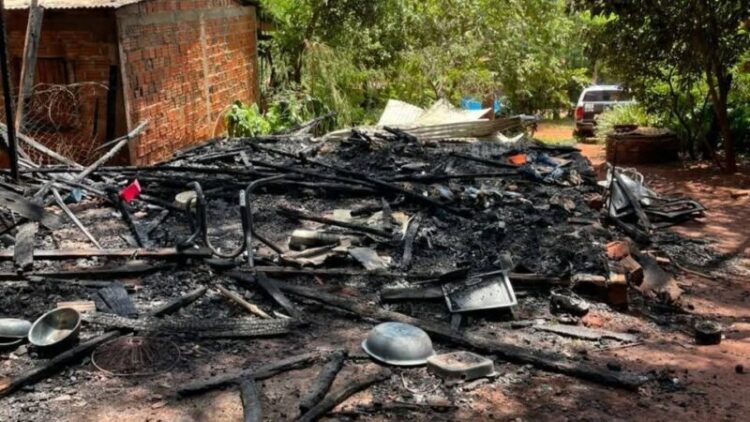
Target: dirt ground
[{"x": 701, "y": 383}]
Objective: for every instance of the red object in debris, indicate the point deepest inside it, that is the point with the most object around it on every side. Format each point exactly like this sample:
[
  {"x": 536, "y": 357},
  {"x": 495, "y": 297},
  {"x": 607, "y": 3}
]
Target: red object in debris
[
  {"x": 518, "y": 159},
  {"x": 131, "y": 191},
  {"x": 579, "y": 113},
  {"x": 618, "y": 250}
]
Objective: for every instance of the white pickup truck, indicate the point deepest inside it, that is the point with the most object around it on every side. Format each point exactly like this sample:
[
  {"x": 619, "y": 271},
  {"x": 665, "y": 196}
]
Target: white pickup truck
[{"x": 593, "y": 101}]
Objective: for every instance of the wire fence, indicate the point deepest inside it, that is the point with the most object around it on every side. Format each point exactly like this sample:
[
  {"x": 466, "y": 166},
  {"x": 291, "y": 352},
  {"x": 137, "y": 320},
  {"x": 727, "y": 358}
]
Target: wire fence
[{"x": 69, "y": 119}]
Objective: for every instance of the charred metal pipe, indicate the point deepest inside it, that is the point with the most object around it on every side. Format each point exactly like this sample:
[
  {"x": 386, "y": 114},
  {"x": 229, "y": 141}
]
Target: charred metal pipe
[
  {"x": 249, "y": 232},
  {"x": 196, "y": 225},
  {"x": 203, "y": 216}
]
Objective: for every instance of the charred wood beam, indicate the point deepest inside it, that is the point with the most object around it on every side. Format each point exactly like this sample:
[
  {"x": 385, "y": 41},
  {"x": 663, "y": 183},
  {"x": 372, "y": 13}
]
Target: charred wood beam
[
  {"x": 30, "y": 54},
  {"x": 431, "y": 178},
  {"x": 237, "y": 375},
  {"x": 411, "y": 235},
  {"x": 12, "y": 141},
  {"x": 406, "y": 192},
  {"x": 323, "y": 381},
  {"x": 301, "y": 215},
  {"x": 252, "y": 410},
  {"x": 253, "y": 309},
  {"x": 340, "y": 395},
  {"x": 634, "y": 232},
  {"x": 332, "y": 272},
  {"x": 162, "y": 253},
  {"x": 74, "y": 219},
  {"x": 140, "y": 238},
  {"x": 23, "y": 251},
  {"x": 125, "y": 271},
  {"x": 491, "y": 163},
  {"x": 205, "y": 328},
  {"x": 28, "y": 209},
  {"x": 179, "y": 302},
  {"x": 309, "y": 173},
  {"x": 270, "y": 286}
]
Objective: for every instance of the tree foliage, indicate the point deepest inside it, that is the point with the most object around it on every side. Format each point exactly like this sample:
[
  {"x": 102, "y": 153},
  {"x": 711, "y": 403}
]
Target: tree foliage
[
  {"x": 354, "y": 55},
  {"x": 682, "y": 44}
]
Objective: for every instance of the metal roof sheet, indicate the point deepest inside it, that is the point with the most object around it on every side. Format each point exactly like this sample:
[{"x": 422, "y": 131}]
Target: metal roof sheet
[{"x": 70, "y": 4}]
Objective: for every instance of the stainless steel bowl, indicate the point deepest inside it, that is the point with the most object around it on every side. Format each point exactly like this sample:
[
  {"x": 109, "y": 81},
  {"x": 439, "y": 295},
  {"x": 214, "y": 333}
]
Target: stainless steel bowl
[
  {"x": 398, "y": 344},
  {"x": 14, "y": 328},
  {"x": 55, "y": 327},
  {"x": 10, "y": 343}
]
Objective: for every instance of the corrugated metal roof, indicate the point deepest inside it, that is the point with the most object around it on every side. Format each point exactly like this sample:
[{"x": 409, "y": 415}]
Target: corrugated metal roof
[{"x": 70, "y": 4}]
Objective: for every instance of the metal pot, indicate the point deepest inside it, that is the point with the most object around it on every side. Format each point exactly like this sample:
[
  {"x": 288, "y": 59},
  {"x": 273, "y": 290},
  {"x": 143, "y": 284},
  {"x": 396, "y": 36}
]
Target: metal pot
[
  {"x": 398, "y": 344},
  {"x": 14, "y": 328},
  {"x": 55, "y": 327}
]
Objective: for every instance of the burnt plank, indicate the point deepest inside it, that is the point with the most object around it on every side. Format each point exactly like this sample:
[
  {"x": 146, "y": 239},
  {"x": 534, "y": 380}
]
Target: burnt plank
[
  {"x": 251, "y": 400},
  {"x": 323, "y": 382},
  {"x": 14, "y": 202},
  {"x": 23, "y": 252},
  {"x": 117, "y": 299}
]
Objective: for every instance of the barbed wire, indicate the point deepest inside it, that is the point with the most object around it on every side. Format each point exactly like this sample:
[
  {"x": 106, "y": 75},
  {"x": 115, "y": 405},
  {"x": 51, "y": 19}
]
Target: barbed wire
[{"x": 67, "y": 118}]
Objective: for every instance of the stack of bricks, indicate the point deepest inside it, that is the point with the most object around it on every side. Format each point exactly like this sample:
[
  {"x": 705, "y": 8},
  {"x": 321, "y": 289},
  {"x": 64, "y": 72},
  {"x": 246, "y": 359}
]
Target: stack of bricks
[{"x": 642, "y": 147}]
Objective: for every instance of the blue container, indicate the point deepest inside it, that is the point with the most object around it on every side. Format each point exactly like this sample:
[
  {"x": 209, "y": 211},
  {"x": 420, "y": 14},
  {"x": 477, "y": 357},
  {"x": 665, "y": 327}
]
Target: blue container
[{"x": 471, "y": 103}]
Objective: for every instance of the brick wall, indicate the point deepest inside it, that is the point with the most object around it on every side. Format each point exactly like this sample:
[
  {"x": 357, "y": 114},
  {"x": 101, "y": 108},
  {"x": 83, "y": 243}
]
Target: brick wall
[{"x": 184, "y": 62}]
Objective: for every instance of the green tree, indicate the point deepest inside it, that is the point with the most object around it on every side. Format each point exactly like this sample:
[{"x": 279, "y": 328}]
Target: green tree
[
  {"x": 354, "y": 55},
  {"x": 695, "y": 37}
]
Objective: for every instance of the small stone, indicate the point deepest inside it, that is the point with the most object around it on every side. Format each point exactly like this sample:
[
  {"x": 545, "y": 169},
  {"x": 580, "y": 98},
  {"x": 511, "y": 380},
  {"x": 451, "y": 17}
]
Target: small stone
[
  {"x": 740, "y": 369},
  {"x": 159, "y": 404},
  {"x": 63, "y": 397}
]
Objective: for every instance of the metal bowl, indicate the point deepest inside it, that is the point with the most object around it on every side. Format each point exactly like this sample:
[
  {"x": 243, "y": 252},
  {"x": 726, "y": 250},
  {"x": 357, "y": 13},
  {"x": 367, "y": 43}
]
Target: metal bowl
[
  {"x": 10, "y": 343},
  {"x": 55, "y": 327},
  {"x": 398, "y": 344},
  {"x": 12, "y": 328}
]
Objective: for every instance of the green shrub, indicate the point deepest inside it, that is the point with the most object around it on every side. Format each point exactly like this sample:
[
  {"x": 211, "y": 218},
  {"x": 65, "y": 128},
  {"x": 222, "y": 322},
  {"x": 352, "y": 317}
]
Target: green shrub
[
  {"x": 246, "y": 121},
  {"x": 288, "y": 110},
  {"x": 739, "y": 120},
  {"x": 628, "y": 114}
]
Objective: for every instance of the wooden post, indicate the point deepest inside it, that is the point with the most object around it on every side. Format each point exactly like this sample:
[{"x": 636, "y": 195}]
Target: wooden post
[
  {"x": 114, "y": 74},
  {"x": 30, "y": 48},
  {"x": 7, "y": 96}
]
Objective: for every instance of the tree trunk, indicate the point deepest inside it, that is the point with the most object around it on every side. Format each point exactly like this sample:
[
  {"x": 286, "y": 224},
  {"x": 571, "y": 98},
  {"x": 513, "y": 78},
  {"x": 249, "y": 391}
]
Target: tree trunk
[
  {"x": 718, "y": 88},
  {"x": 726, "y": 135}
]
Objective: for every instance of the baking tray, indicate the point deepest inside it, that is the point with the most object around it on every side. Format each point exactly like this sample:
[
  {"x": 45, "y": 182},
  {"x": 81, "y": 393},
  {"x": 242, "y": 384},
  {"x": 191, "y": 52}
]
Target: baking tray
[{"x": 484, "y": 292}]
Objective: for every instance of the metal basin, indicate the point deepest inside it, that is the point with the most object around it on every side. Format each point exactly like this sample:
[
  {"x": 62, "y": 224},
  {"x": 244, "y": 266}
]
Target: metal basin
[
  {"x": 55, "y": 327},
  {"x": 12, "y": 328},
  {"x": 10, "y": 343},
  {"x": 398, "y": 344}
]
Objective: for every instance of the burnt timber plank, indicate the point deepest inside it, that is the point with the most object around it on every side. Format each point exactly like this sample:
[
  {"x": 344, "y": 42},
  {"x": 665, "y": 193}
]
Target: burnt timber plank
[
  {"x": 163, "y": 253},
  {"x": 14, "y": 202},
  {"x": 23, "y": 252}
]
